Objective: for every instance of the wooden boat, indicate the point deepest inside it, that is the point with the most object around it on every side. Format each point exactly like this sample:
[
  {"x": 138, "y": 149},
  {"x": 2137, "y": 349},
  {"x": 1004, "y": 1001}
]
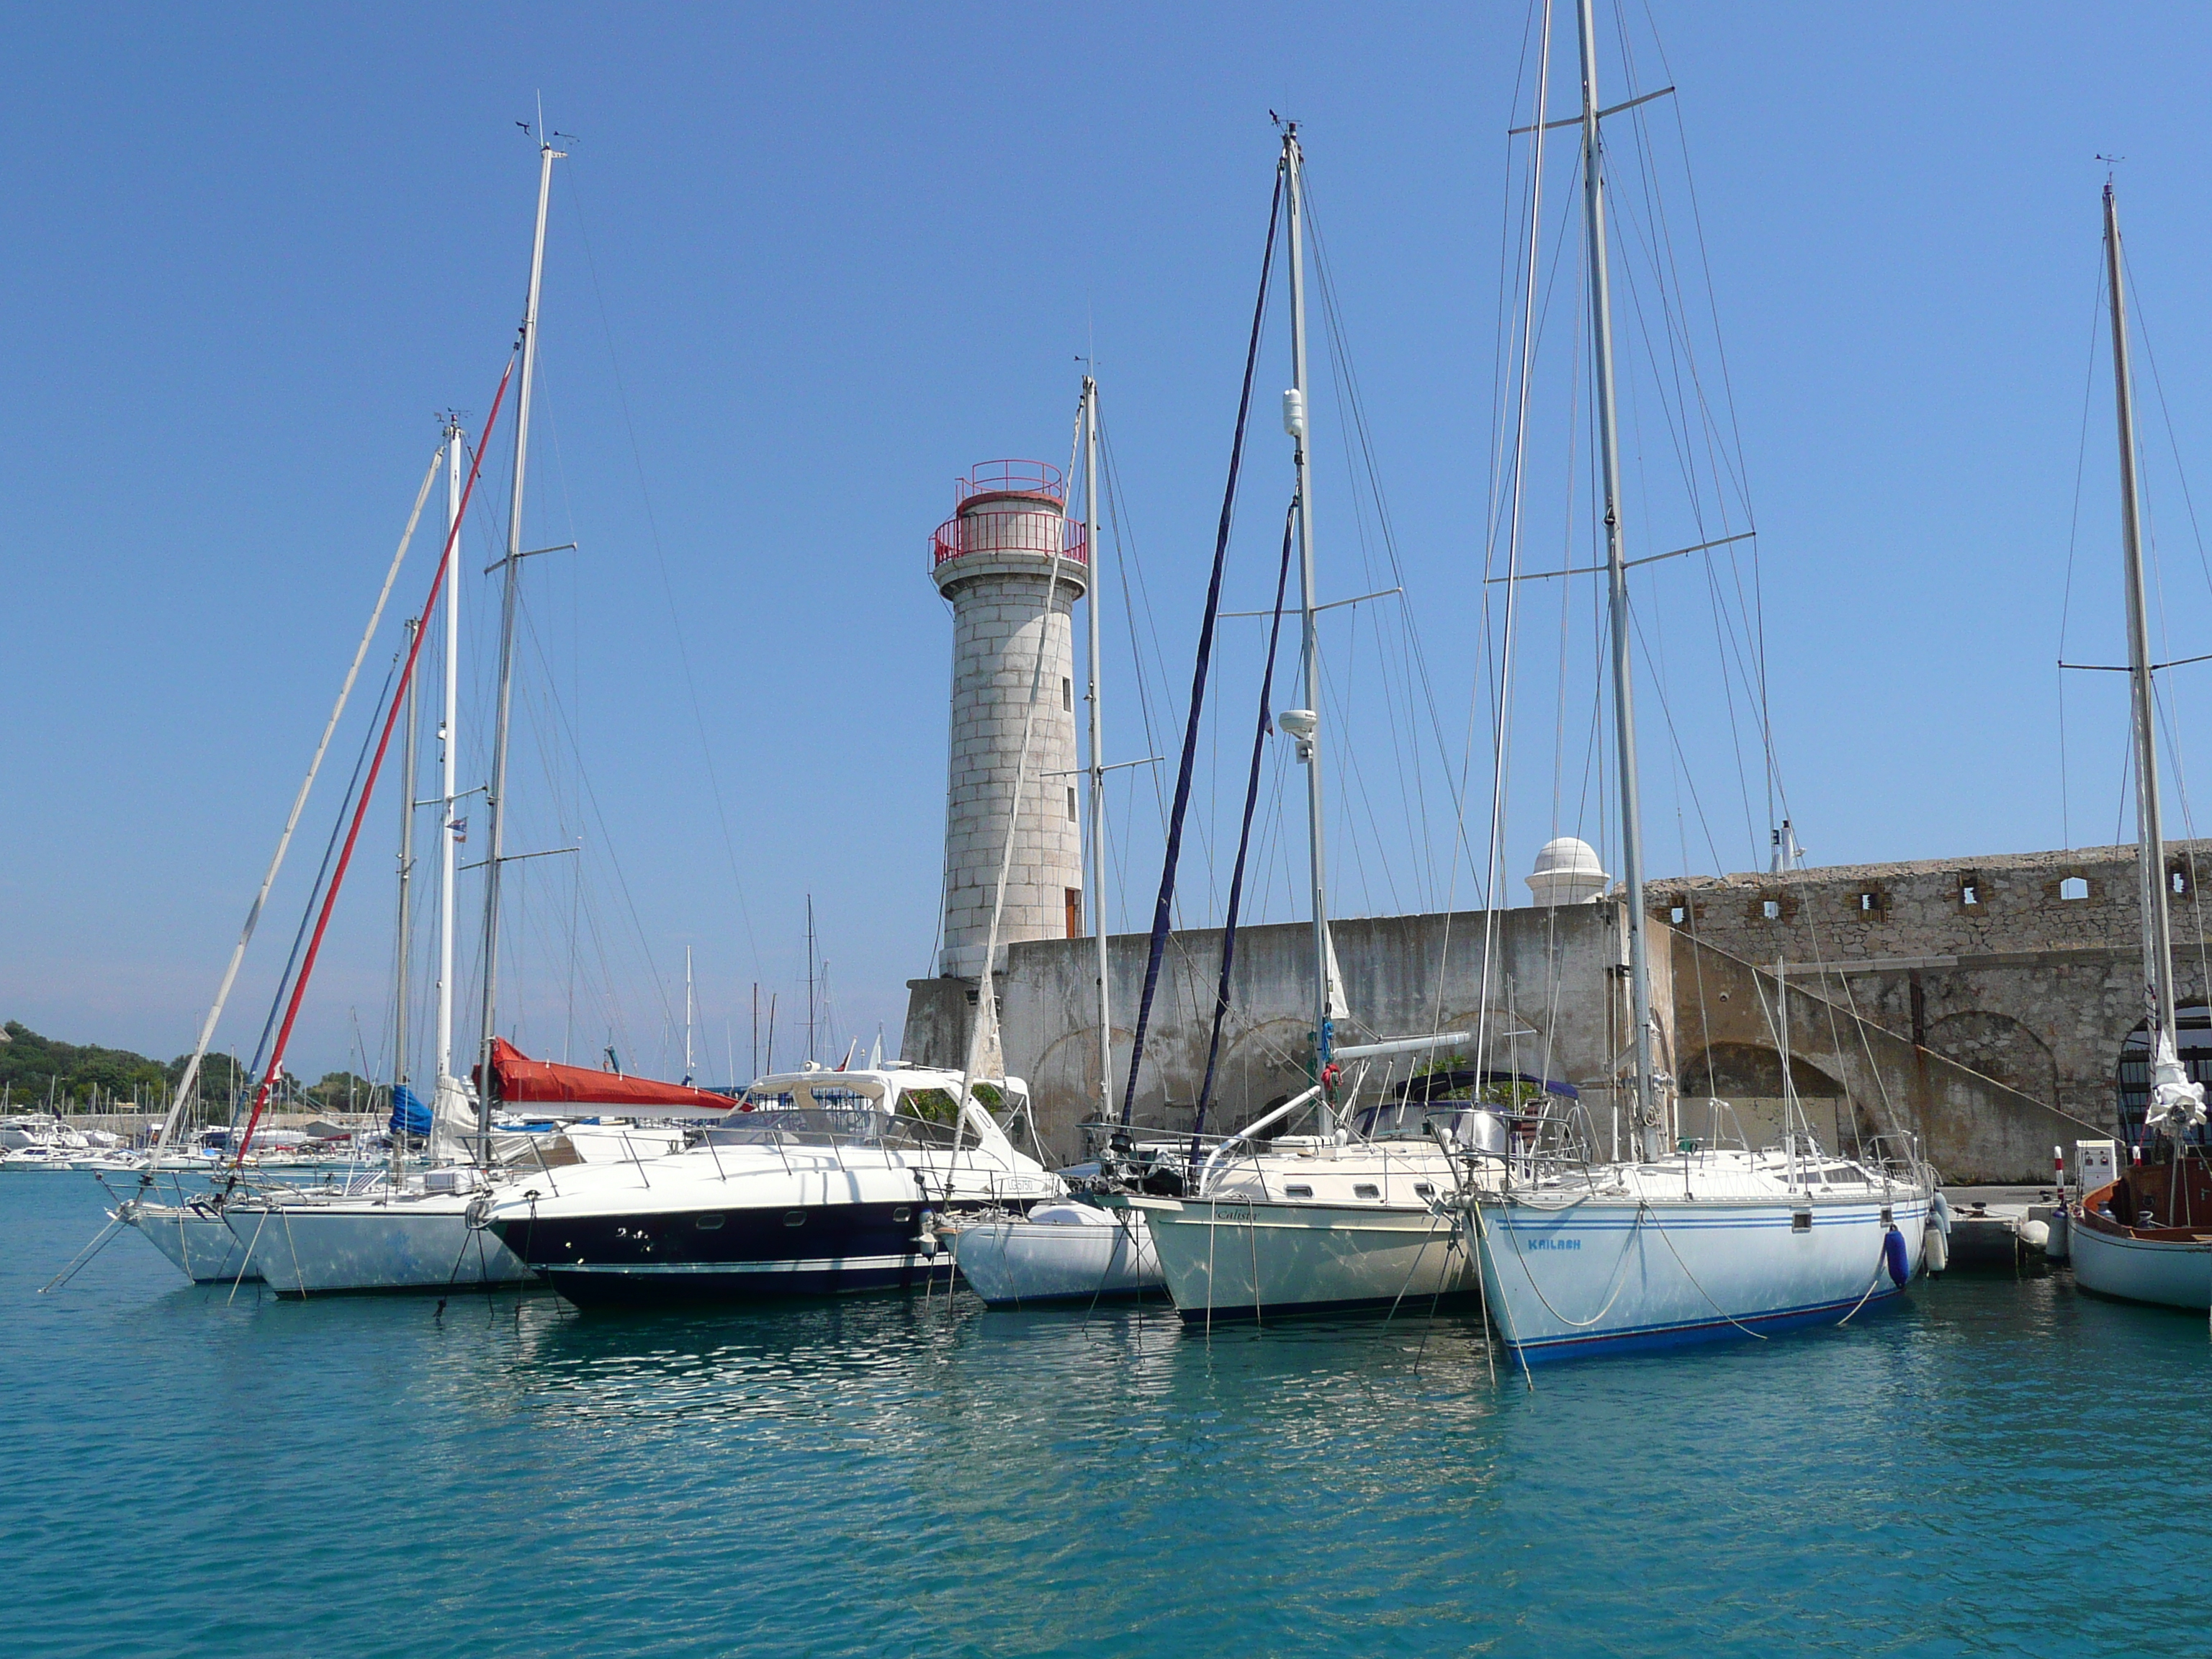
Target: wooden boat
[{"x": 2148, "y": 1237}]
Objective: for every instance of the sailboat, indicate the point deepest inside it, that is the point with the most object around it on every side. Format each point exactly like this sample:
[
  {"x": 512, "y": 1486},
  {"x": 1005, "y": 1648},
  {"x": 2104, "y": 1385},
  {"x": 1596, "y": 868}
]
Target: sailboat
[
  {"x": 2147, "y": 1237},
  {"x": 1070, "y": 1250},
  {"x": 411, "y": 1230},
  {"x": 1681, "y": 1242},
  {"x": 192, "y": 1231},
  {"x": 1348, "y": 1216}
]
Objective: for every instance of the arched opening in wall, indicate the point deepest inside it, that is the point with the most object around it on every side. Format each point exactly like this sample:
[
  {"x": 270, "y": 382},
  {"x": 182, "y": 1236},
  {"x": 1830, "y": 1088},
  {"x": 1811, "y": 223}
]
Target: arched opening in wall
[
  {"x": 2192, "y": 1040},
  {"x": 1747, "y": 1076},
  {"x": 1728, "y": 1069},
  {"x": 1997, "y": 1046}
]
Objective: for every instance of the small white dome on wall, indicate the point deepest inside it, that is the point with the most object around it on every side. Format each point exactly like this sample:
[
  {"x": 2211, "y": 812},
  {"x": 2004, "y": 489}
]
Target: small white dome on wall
[{"x": 1567, "y": 873}]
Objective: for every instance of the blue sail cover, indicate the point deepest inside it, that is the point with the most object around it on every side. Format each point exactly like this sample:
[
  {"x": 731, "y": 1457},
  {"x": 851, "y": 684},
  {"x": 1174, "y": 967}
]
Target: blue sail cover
[{"x": 409, "y": 1113}]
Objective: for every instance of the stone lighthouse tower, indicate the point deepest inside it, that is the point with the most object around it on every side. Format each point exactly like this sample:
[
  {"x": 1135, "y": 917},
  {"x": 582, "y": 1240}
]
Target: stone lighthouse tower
[{"x": 992, "y": 560}]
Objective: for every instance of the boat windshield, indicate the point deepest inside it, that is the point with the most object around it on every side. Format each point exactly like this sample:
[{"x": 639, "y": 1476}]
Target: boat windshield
[{"x": 826, "y": 1114}]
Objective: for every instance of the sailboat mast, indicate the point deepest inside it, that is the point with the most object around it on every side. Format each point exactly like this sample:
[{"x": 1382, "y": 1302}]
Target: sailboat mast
[
  {"x": 495, "y": 796},
  {"x": 2150, "y": 839},
  {"x": 810, "y": 977},
  {"x": 687, "y": 1016},
  {"x": 1294, "y": 420},
  {"x": 448, "y": 745},
  {"x": 1097, "y": 748},
  {"x": 405, "y": 940},
  {"x": 1624, "y": 699}
]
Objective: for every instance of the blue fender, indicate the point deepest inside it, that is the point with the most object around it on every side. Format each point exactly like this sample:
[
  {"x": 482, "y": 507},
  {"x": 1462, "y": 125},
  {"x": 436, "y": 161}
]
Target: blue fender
[{"x": 1893, "y": 1257}]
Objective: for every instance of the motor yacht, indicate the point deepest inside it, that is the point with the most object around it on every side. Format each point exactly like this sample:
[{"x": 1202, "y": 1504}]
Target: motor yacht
[{"x": 821, "y": 1180}]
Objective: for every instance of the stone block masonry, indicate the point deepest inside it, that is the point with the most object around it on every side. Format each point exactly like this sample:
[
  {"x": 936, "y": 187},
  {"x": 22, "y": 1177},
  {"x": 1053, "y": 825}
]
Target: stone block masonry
[
  {"x": 1984, "y": 1004},
  {"x": 994, "y": 565},
  {"x": 2025, "y": 966}
]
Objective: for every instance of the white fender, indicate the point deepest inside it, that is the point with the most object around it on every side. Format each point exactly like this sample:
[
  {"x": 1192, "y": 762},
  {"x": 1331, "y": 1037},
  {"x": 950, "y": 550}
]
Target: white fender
[{"x": 1935, "y": 1248}]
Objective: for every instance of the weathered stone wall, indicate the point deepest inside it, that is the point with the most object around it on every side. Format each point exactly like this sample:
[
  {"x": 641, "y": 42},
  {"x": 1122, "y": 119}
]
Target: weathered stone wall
[
  {"x": 2024, "y": 968},
  {"x": 1855, "y": 1079},
  {"x": 1555, "y": 980},
  {"x": 1989, "y": 1028}
]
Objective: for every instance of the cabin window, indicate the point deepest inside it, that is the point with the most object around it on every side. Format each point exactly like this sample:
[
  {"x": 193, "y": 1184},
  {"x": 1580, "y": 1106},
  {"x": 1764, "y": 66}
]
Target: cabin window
[
  {"x": 1367, "y": 1189},
  {"x": 1423, "y": 1190},
  {"x": 904, "y": 1213},
  {"x": 1298, "y": 1189},
  {"x": 707, "y": 1224},
  {"x": 2074, "y": 887},
  {"x": 794, "y": 1218},
  {"x": 1801, "y": 1221}
]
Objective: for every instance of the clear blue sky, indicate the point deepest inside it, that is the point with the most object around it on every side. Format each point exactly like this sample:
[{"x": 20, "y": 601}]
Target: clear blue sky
[{"x": 837, "y": 254}]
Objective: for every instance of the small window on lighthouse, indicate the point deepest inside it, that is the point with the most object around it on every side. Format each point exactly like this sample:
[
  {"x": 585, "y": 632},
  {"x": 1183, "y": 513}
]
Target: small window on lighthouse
[
  {"x": 1071, "y": 803},
  {"x": 1067, "y": 694}
]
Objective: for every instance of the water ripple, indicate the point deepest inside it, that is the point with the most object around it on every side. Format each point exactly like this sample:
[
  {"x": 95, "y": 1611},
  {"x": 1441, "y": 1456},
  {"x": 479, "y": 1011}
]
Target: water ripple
[{"x": 194, "y": 1473}]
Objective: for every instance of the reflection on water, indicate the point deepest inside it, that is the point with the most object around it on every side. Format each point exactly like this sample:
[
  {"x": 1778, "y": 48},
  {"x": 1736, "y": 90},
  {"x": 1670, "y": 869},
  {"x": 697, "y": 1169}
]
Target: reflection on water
[{"x": 201, "y": 1474}]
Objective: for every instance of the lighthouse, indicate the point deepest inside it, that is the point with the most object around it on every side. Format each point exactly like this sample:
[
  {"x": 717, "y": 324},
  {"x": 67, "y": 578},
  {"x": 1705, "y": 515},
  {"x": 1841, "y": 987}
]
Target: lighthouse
[{"x": 992, "y": 560}]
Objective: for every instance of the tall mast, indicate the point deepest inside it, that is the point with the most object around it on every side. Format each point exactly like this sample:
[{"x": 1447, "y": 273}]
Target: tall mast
[
  {"x": 448, "y": 756},
  {"x": 810, "y": 977},
  {"x": 406, "y": 931},
  {"x": 687, "y": 1016},
  {"x": 1097, "y": 748},
  {"x": 2150, "y": 839},
  {"x": 495, "y": 796},
  {"x": 1294, "y": 421},
  {"x": 1646, "y": 1113}
]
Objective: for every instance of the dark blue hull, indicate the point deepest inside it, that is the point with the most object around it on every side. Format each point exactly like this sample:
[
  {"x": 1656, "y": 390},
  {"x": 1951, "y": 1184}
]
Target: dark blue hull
[
  {"x": 1697, "y": 1334},
  {"x": 661, "y": 1258}
]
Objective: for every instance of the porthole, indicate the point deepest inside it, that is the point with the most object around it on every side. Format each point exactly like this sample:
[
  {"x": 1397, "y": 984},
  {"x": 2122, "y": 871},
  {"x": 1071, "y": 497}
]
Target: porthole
[
  {"x": 1801, "y": 1221},
  {"x": 794, "y": 1218},
  {"x": 1298, "y": 1190},
  {"x": 1367, "y": 1189},
  {"x": 707, "y": 1224},
  {"x": 1423, "y": 1190},
  {"x": 904, "y": 1211}
]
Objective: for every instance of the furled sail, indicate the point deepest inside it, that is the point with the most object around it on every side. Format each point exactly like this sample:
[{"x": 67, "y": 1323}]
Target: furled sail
[
  {"x": 526, "y": 1082},
  {"x": 452, "y": 1118}
]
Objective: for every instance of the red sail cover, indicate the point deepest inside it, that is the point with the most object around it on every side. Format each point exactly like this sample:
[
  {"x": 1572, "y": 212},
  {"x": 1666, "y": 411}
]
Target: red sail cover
[{"x": 526, "y": 1082}]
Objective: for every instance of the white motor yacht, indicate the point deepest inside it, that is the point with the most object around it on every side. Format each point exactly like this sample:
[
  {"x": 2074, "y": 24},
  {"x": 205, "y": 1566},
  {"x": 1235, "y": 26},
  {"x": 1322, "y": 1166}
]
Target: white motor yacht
[{"x": 820, "y": 1181}]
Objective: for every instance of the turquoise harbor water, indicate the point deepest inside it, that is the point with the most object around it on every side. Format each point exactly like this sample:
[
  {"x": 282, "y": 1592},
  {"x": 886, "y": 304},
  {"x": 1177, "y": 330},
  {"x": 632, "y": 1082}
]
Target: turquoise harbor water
[{"x": 2000, "y": 1467}]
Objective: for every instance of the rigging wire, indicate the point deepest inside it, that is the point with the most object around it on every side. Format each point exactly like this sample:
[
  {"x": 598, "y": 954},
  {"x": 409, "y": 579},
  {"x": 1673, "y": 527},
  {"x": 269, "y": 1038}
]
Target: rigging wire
[{"x": 667, "y": 587}]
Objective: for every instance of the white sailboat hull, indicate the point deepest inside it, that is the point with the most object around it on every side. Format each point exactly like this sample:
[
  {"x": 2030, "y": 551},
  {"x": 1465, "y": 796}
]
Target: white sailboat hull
[
  {"x": 1564, "y": 1278},
  {"x": 1017, "y": 1263},
  {"x": 198, "y": 1242},
  {"x": 1239, "y": 1257},
  {"x": 410, "y": 1242},
  {"x": 2171, "y": 1273}
]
